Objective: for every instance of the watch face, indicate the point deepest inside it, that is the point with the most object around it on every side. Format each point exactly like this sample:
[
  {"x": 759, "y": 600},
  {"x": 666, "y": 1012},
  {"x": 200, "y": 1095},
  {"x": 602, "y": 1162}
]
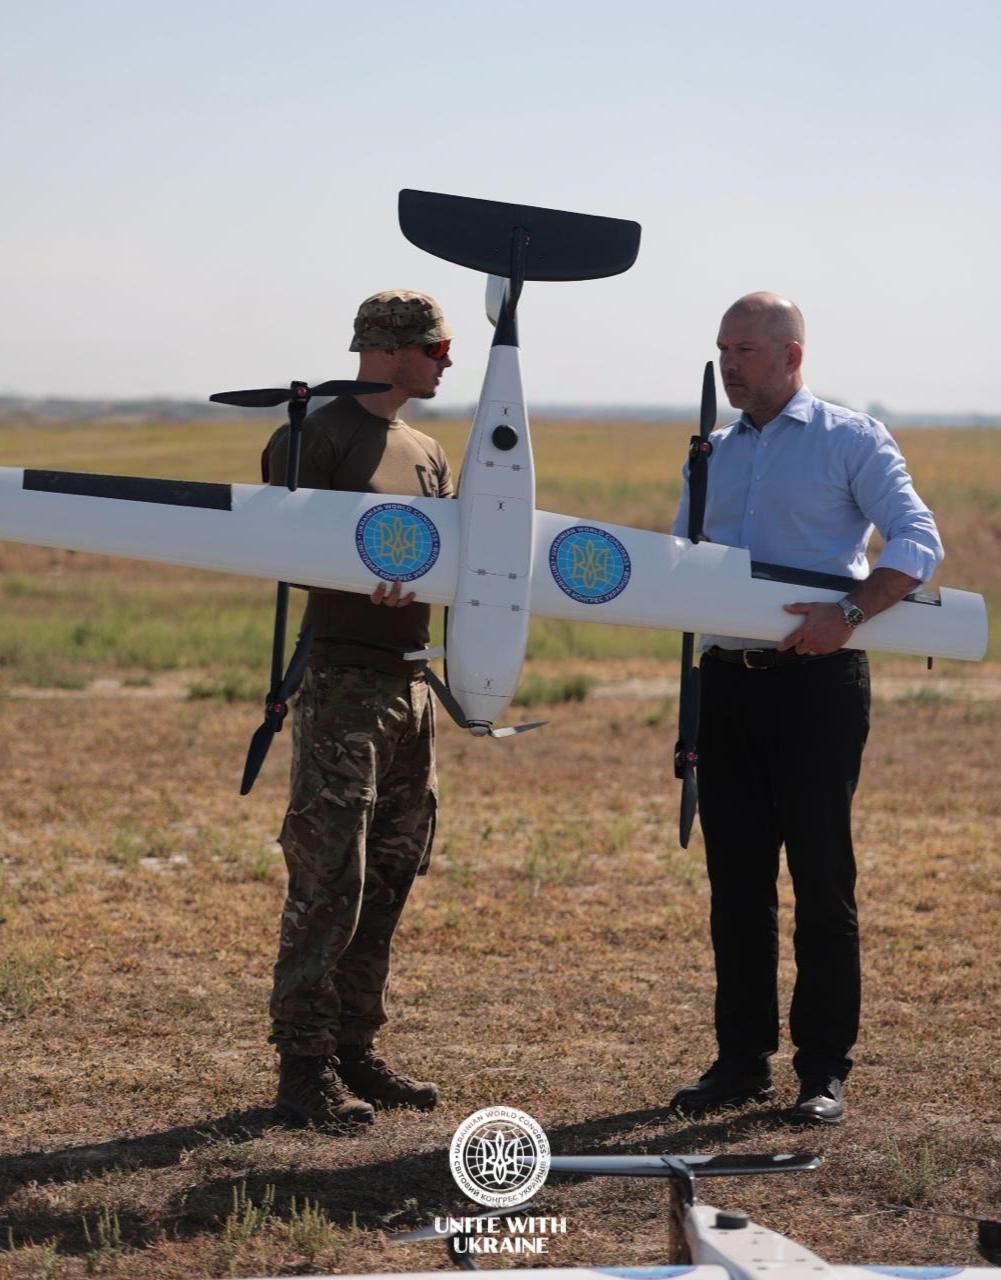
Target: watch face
[{"x": 851, "y": 613}]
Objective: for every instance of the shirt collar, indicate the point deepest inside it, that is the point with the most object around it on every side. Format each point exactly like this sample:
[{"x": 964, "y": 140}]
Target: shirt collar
[{"x": 799, "y": 409}]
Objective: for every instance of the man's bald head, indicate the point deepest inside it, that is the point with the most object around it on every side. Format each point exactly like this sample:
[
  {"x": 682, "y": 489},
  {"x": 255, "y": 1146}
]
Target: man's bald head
[
  {"x": 783, "y": 319},
  {"x": 761, "y": 350}
]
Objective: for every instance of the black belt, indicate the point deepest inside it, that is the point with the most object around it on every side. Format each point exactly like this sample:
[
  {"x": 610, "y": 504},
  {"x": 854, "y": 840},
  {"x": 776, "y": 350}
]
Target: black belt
[{"x": 762, "y": 659}]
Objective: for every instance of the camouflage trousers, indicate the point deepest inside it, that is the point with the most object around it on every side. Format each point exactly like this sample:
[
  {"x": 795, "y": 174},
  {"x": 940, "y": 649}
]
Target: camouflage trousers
[{"x": 359, "y": 828}]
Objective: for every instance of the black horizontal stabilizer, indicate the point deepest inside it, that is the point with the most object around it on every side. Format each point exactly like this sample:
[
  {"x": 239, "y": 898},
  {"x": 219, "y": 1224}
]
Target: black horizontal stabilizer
[
  {"x": 725, "y": 1166},
  {"x": 477, "y": 234},
  {"x": 829, "y": 581},
  {"x": 171, "y": 493}
]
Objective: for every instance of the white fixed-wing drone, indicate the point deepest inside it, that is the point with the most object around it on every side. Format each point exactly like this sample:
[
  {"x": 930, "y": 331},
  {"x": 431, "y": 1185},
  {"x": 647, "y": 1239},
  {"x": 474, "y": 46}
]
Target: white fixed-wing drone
[
  {"x": 490, "y": 557},
  {"x": 709, "y": 1243}
]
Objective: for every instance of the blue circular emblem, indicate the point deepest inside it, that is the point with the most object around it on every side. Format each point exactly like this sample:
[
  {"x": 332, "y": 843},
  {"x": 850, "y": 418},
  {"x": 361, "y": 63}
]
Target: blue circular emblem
[
  {"x": 397, "y": 542},
  {"x": 917, "y": 1273},
  {"x": 589, "y": 564}
]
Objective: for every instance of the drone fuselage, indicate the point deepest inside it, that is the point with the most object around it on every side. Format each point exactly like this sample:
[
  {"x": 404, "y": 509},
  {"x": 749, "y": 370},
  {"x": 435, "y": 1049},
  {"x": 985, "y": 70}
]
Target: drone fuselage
[{"x": 487, "y": 628}]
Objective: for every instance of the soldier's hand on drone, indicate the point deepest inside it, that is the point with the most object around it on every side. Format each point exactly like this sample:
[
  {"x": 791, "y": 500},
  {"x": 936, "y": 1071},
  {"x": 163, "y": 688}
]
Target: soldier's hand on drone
[{"x": 392, "y": 596}]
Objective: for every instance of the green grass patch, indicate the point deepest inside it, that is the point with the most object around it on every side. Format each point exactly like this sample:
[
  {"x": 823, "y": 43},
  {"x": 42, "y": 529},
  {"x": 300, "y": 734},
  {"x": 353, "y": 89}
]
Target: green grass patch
[
  {"x": 928, "y": 696},
  {"x": 555, "y": 639},
  {"x": 26, "y": 975},
  {"x": 235, "y": 686},
  {"x": 43, "y": 678},
  {"x": 128, "y": 633},
  {"x": 548, "y": 691}
]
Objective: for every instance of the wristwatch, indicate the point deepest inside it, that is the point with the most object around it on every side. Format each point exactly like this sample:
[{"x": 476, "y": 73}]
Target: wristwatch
[{"x": 851, "y": 613}]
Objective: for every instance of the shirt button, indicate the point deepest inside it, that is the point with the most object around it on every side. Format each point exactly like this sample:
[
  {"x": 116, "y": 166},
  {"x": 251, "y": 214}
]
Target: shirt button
[{"x": 751, "y": 512}]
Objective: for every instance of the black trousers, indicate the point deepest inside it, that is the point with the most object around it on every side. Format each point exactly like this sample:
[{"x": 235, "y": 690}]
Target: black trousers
[{"x": 780, "y": 753}]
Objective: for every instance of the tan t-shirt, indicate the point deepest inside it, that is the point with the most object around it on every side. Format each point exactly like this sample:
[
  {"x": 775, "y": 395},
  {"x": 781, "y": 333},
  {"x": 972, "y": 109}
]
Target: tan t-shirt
[{"x": 346, "y": 447}]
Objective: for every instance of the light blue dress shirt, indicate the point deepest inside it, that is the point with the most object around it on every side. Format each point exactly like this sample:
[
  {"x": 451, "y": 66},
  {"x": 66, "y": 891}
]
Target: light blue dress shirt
[{"x": 806, "y": 491}]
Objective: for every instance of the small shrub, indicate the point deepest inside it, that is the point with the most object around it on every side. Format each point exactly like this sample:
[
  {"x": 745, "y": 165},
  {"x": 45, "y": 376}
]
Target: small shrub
[
  {"x": 16, "y": 586},
  {"x": 245, "y": 1219},
  {"x": 104, "y": 1241},
  {"x": 260, "y": 863},
  {"x": 126, "y": 848},
  {"x": 44, "y": 1257},
  {"x": 310, "y": 1231},
  {"x": 913, "y": 1177}
]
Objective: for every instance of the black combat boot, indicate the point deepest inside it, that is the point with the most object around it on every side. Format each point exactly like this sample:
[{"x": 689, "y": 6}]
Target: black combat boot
[
  {"x": 311, "y": 1092},
  {"x": 371, "y": 1078}
]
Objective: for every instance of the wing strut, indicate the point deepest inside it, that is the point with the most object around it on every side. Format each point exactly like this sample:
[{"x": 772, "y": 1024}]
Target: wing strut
[
  {"x": 283, "y": 686},
  {"x": 686, "y": 756}
]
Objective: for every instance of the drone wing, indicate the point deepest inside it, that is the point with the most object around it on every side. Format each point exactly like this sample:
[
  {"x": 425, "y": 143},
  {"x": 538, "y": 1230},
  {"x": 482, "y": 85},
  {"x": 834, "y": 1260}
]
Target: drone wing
[
  {"x": 590, "y": 571},
  {"x": 313, "y": 537},
  {"x": 584, "y": 571}
]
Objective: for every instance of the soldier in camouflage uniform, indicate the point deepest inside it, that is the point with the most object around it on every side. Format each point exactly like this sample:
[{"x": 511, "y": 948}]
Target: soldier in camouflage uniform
[{"x": 362, "y": 808}]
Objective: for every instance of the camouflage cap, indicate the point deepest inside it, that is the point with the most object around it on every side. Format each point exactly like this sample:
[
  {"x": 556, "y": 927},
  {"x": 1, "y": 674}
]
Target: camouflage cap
[{"x": 398, "y": 318}]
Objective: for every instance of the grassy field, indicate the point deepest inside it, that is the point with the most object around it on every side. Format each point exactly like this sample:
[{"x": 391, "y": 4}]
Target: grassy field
[{"x": 555, "y": 959}]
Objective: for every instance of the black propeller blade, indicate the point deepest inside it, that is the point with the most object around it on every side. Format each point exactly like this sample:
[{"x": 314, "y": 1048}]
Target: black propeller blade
[
  {"x": 269, "y": 397},
  {"x": 699, "y": 450},
  {"x": 686, "y": 749},
  {"x": 449, "y": 701},
  {"x": 276, "y": 705},
  {"x": 283, "y": 686}
]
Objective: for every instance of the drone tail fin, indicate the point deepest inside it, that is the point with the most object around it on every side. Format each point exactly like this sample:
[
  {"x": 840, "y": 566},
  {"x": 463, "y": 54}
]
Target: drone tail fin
[{"x": 478, "y": 234}]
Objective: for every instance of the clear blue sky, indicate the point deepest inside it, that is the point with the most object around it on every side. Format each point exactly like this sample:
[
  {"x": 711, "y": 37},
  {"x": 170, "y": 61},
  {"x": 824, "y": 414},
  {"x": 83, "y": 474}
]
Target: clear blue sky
[{"x": 196, "y": 195}]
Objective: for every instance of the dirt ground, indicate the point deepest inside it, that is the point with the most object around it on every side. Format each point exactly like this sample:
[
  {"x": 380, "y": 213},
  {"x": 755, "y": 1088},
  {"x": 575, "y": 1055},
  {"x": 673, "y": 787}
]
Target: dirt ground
[{"x": 555, "y": 959}]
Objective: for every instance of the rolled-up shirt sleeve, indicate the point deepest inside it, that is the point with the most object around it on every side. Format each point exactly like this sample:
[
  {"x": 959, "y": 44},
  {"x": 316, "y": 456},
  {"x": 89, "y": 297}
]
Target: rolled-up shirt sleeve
[{"x": 886, "y": 496}]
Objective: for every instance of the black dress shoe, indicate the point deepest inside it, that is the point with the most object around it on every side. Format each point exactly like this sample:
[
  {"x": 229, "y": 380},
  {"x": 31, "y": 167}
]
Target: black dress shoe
[
  {"x": 724, "y": 1085},
  {"x": 821, "y": 1101}
]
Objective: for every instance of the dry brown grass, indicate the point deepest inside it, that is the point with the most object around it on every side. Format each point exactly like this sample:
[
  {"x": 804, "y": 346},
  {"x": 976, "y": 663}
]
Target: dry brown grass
[{"x": 555, "y": 959}]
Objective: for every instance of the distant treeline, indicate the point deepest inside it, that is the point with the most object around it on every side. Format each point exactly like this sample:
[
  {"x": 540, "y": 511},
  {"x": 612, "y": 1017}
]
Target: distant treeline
[{"x": 164, "y": 409}]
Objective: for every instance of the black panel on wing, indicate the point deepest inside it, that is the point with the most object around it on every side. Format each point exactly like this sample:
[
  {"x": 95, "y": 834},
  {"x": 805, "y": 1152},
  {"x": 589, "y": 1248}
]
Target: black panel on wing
[
  {"x": 829, "y": 581},
  {"x": 170, "y": 493},
  {"x": 477, "y": 234}
]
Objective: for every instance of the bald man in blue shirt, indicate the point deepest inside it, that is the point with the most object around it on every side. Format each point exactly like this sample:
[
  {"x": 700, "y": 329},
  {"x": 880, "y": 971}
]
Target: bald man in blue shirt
[{"x": 801, "y": 483}]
